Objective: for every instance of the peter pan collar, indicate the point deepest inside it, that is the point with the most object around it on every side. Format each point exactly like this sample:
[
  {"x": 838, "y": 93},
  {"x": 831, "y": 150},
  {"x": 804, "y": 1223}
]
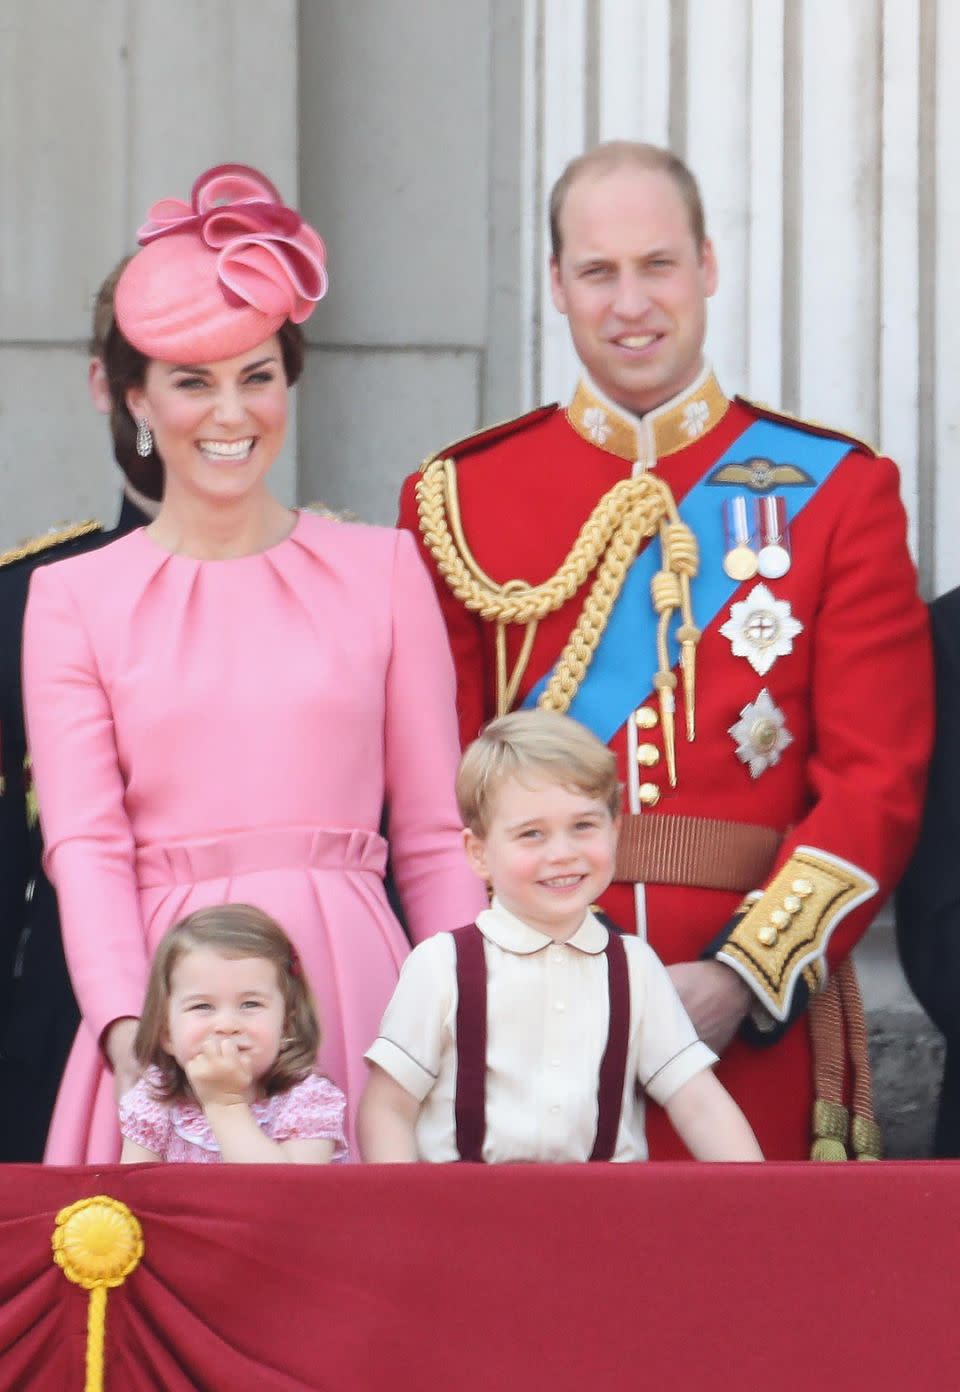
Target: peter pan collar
[
  {"x": 498, "y": 925},
  {"x": 645, "y": 439}
]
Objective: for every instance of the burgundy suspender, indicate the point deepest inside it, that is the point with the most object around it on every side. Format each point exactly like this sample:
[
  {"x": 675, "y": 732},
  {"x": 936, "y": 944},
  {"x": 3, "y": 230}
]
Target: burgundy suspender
[
  {"x": 613, "y": 1065},
  {"x": 470, "y": 1101},
  {"x": 470, "y": 1106}
]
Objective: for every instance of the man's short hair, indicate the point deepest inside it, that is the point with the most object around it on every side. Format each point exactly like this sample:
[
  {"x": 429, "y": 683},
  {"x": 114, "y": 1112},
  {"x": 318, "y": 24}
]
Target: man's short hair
[
  {"x": 534, "y": 744},
  {"x": 103, "y": 309},
  {"x": 614, "y": 154}
]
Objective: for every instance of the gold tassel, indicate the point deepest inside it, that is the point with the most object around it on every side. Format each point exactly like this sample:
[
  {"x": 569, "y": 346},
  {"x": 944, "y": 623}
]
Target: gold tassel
[{"x": 97, "y": 1242}]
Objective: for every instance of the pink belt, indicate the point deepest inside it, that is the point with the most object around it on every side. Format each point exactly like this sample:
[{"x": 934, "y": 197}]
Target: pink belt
[{"x": 272, "y": 848}]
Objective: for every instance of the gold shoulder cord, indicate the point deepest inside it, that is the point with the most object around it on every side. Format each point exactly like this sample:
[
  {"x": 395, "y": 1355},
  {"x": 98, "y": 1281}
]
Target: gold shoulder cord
[
  {"x": 57, "y": 537},
  {"x": 608, "y": 542}
]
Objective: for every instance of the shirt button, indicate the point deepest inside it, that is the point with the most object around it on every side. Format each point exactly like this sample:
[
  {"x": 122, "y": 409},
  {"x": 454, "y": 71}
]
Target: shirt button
[
  {"x": 555, "y": 1107},
  {"x": 554, "y": 1063},
  {"x": 559, "y": 1005}
]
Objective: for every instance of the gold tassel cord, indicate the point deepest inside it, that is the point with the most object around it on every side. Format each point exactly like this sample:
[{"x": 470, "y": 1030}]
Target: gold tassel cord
[
  {"x": 682, "y": 555},
  {"x": 606, "y": 546},
  {"x": 665, "y": 593},
  {"x": 97, "y": 1243},
  {"x": 571, "y": 667}
]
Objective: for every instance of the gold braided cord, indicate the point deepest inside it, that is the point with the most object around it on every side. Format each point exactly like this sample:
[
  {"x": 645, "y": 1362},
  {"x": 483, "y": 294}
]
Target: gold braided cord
[
  {"x": 57, "y": 537},
  {"x": 608, "y": 542},
  {"x": 637, "y": 523},
  {"x": 518, "y": 602}
]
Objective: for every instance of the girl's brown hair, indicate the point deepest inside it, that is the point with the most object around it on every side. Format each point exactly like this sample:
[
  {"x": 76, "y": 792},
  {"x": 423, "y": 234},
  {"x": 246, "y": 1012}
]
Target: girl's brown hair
[{"x": 232, "y": 930}]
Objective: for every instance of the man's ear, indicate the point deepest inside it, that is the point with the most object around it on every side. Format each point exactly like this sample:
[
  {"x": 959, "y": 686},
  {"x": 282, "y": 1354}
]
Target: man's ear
[
  {"x": 557, "y": 291},
  {"x": 708, "y": 268},
  {"x": 476, "y": 849},
  {"x": 98, "y": 386}
]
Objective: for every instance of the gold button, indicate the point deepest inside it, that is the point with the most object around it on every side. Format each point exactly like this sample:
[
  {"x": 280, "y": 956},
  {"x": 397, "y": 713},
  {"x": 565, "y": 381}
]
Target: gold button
[
  {"x": 779, "y": 918},
  {"x": 646, "y": 718},
  {"x": 649, "y": 794},
  {"x": 792, "y": 904},
  {"x": 802, "y": 887},
  {"x": 767, "y": 936},
  {"x": 648, "y": 755}
]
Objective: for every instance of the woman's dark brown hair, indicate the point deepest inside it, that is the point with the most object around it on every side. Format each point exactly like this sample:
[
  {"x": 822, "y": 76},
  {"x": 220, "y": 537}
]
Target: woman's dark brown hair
[
  {"x": 126, "y": 367},
  {"x": 232, "y": 930}
]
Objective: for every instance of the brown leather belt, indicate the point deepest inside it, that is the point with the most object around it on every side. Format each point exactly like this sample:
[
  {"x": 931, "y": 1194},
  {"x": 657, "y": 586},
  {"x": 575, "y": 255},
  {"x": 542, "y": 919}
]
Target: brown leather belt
[{"x": 702, "y": 852}]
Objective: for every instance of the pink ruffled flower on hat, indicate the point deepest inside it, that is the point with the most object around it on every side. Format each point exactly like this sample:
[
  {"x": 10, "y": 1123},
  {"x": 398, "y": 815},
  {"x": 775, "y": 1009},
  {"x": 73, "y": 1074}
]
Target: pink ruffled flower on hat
[
  {"x": 268, "y": 257},
  {"x": 219, "y": 275}
]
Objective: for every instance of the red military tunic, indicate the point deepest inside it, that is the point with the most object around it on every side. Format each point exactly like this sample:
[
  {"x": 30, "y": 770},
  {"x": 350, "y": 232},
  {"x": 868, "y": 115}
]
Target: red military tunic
[{"x": 855, "y": 692}]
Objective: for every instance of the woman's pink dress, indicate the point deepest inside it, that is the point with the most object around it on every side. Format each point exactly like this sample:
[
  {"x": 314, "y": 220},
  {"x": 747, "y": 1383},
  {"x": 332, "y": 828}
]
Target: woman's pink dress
[{"x": 205, "y": 732}]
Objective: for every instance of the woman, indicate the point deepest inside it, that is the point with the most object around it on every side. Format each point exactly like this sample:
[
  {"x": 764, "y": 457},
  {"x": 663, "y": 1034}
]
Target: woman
[{"x": 221, "y": 705}]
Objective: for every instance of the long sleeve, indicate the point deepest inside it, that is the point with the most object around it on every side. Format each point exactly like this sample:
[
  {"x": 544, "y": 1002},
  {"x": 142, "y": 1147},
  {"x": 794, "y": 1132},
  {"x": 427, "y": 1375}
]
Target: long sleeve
[
  {"x": 89, "y": 849},
  {"x": 438, "y": 889},
  {"x": 928, "y": 902},
  {"x": 871, "y": 712}
]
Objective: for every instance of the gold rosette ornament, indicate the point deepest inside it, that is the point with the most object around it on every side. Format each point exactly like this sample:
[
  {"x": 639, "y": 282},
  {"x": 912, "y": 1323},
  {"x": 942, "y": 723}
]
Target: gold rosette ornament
[{"x": 97, "y": 1242}]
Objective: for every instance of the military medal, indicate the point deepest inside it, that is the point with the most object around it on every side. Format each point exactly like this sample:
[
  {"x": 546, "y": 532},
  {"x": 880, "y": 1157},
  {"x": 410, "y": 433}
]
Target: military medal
[
  {"x": 740, "y": 557},
  {"x": 761, "y": 628},
  {"x": 773, "y": 558},
  {"x": 761, "y": 734}
]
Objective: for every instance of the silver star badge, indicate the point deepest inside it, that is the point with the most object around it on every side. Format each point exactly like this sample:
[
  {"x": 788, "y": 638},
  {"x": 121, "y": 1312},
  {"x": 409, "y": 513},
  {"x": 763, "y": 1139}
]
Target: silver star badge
[
  {"x": 761, "y": 629},
  {"x": 761, "y": 734}
]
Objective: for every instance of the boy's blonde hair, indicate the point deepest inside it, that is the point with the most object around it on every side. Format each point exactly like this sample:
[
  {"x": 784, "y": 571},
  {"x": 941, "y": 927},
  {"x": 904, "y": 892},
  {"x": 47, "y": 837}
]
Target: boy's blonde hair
[
  {"x": 540, "y": 743},
  {"x": 232, "y": 930}
]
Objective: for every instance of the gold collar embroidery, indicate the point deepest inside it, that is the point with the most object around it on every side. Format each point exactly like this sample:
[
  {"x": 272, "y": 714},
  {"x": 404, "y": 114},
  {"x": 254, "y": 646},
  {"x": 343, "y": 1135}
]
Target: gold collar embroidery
[{"x": 663, "y": 431}]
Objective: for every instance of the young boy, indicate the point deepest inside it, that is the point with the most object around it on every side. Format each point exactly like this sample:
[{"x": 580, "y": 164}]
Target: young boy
[{"x": 529, "y": 1036}]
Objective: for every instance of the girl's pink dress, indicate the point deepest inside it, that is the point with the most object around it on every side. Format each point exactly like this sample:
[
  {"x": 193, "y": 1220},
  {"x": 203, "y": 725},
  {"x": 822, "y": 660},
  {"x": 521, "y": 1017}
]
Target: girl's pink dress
[
  {"x": 206, "y": 732},
  {"x": 180, "y": 1133}
]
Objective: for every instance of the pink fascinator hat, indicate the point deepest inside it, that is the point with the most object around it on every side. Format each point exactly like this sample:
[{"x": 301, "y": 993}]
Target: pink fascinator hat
[{"x": 218, "y": 275}]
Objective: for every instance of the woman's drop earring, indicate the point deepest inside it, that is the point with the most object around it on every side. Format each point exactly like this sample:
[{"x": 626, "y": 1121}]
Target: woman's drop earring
[{"x": 144, "y": 439}]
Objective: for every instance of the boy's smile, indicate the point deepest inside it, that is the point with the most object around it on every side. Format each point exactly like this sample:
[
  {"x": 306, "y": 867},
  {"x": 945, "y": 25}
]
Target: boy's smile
[{"x": 548, "y": 851}]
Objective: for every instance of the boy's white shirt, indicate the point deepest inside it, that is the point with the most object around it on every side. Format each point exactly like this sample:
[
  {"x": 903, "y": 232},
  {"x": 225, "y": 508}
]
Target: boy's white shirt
[{"x": 547, "y": 1017}]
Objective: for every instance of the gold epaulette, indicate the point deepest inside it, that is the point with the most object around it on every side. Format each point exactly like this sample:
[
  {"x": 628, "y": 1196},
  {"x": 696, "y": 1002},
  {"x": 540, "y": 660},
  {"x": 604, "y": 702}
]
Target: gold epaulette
[
  {"x": 57, "y": 537},
  {"x": 481, "y": 438},
  {"x": 814, "y": 427},
  {"x": 332, "y": 514}
]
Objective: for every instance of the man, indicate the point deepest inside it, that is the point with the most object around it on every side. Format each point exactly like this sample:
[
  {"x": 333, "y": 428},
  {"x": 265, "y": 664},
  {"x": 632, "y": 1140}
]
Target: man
[
  {"x": 38, "y": 1015},
  {"x": 928, "y": 899},
  {"x": 774, "y": 772}
]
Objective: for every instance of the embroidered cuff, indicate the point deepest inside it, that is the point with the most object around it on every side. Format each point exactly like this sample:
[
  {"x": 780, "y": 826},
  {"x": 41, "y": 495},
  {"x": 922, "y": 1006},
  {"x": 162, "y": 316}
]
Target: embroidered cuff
[{"x": 780, "y": 940}]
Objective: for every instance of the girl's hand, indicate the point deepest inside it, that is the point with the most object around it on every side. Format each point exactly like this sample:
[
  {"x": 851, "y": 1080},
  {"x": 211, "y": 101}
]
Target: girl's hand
[{"x": 220, "y": 1074}]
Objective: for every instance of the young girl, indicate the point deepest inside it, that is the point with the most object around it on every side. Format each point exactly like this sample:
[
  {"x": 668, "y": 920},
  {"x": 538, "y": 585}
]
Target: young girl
[{"x": 229, "y": 1038}]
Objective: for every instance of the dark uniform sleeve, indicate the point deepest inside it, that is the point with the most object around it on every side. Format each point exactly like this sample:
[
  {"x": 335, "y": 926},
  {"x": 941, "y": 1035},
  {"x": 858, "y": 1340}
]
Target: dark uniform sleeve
[
  {"x": 928, "y": 901},
  {"x": 14, "y": 835},
  {"x": 38, "y": 1015}
]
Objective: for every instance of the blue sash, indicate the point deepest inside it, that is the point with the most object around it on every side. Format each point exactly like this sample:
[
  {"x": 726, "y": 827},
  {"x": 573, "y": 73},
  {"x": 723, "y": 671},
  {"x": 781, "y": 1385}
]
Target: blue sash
[{"x": 618, "y": 678}]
